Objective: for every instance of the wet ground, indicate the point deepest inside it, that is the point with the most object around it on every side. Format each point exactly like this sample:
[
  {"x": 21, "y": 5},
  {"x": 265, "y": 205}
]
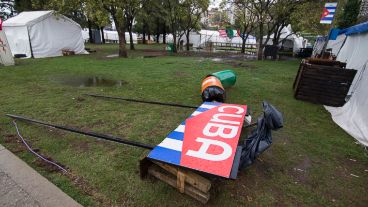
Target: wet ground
[{"x": 88, "y": 81}]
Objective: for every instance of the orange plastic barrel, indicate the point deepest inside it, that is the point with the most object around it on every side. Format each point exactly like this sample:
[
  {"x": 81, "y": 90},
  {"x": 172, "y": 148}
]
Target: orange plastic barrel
[
  {"x": 212, "y": 90},
  {"x": 211, "y": 81}
]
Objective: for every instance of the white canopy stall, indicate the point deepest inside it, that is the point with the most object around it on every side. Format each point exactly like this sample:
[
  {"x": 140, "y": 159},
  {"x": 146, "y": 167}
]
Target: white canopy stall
[
  {"x": 289, "y": 40},
  {"x": 353, "y": 116},
  {"x": 43, "y": 34}
]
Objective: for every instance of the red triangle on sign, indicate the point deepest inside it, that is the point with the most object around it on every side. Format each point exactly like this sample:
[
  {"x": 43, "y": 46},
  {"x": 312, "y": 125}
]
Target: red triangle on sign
[{"x": 325, "y": 13}]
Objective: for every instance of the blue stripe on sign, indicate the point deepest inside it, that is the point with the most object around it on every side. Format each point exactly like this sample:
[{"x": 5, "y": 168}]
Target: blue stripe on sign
[
  {"x": 202, "y": 109},
  {"x": 166, "y": 155},
  {"x": 327, "y": 18},
  {"x": 212, "y": 103},
  {"x": 331, "y": 7},
  {"x": 176, "y": 135}
]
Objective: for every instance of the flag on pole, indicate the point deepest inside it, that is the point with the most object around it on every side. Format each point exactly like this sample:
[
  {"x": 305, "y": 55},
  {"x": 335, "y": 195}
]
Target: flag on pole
[
  {"x": 328, "y": 13},
  {"x": 223, "y": 33},
  {"x": 1, "y": 24}
]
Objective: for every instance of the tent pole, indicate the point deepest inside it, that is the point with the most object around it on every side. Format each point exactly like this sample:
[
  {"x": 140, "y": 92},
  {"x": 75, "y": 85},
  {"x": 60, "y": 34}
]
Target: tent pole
[{"x": 30, "y": 44}]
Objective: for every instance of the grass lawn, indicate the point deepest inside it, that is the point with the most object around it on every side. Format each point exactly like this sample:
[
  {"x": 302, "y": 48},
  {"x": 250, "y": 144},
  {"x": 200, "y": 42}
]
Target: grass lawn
[{"x": 312, "y": 162}]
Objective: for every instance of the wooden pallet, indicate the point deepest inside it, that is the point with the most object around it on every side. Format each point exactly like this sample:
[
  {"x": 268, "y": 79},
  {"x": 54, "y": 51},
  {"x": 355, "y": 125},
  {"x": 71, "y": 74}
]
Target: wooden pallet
[
  {"x": 184, "y": 180},
  {"x": 326, "y": 84}
]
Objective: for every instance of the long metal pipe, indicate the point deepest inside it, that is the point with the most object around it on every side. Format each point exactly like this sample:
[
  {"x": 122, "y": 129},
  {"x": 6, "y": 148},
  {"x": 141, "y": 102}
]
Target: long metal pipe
[
  {"x": 88, "y": 133},
  {"x": 142, "y": 101}
]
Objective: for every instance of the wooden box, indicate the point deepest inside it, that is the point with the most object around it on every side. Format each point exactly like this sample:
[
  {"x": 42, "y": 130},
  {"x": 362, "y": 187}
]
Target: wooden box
[{"x": 324, "y": 83}]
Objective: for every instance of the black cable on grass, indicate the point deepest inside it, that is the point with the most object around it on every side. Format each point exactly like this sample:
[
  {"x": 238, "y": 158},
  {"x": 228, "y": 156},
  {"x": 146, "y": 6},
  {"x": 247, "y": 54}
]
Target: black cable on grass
[{"x": 35, "y": 153}]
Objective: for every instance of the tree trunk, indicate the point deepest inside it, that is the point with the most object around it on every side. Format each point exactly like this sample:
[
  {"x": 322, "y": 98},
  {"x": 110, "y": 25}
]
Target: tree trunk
[
  {"x": 157, "y": 30},
  {"x": 131, "y": 40},
  {"x": 122, "y": 49},
  {"x": 91, "y": 40},
  {"x": 102, "y": 35},
  {"x": 164, "y": 35},
  {"x": 144, "y": 33},
  {"x": 149, "y": 36},
  {"x": 260, "y": 44},
  {"x": 188, "y": 46},
  {"x": 175, "y": 49},
  {"x": 243, "y": 45},
  {"x": 130, "y": 26}
]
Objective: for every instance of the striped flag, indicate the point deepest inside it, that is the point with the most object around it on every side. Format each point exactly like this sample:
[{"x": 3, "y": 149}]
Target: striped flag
[
  {"x": 328, "y": 13},
  {"x": 222, "y": 33}
]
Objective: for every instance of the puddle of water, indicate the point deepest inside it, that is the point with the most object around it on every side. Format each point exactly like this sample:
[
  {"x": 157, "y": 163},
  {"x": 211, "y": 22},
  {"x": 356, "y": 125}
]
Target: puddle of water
[{"x": 89, "y": 81}]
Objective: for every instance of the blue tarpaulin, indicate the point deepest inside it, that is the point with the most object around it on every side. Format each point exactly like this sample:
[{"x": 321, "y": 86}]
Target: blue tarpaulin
[
  {"x": 334, "y": 33},
  {"x": 359, "y": 28}
]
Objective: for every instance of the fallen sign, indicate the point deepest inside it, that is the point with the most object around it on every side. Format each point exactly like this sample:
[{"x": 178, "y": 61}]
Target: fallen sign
[{"x": 207, "y": 141}]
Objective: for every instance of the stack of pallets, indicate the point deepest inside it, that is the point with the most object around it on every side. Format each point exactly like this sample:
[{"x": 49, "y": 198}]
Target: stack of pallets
[{"x": 323, "y": 81}]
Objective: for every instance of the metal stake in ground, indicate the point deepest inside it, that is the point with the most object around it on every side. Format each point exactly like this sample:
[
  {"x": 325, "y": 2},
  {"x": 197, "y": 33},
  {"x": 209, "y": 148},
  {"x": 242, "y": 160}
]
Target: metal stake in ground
[
  {"x": 88, "y": 133},
  {"x": 142, "y": 101}
]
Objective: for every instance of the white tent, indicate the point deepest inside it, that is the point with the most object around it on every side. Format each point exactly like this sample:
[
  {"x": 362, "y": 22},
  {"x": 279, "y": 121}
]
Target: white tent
[
  {"x": 43, "y": 34},
  {"x": 353, "y": 116},
  {"x": 200, "y": 38},
  {"x": 111, "y": 36},
  {"x": 289, "y": 40}
]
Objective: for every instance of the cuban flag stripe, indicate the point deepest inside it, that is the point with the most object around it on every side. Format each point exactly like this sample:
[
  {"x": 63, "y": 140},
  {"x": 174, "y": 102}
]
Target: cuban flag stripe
[{"x": 328, "y": 13}]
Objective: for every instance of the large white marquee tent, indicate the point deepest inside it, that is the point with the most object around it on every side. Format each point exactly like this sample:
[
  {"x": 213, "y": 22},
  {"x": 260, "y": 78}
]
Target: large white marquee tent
[
  {"x": 43, "y": 34},
  {"x": 289, "y": 40},
  {"x": 351, "y": 46},
  {"x": 200, "y": 38}
]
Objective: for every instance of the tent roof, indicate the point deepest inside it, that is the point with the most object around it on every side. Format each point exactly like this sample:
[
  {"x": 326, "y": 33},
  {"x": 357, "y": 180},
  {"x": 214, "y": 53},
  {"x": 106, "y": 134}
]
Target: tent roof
[
  {"x": 27, "y": 18},
  {"x": 359, "y": 28}
]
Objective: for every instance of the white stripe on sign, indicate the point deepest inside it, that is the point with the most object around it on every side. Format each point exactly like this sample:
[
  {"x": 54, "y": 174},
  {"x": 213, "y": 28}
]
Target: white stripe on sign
[
  {"x": 172, "y": 144},
  {"x": 331, "y": 10},
  {"x": 331, "y": 4},
  {"x": 206, "y": 106},
  {"x": 180, "y": 128},
  {"x": 196, "y": 113},
  {"x": 325, "y": 21},
  {"x": 330, "y": 15}
]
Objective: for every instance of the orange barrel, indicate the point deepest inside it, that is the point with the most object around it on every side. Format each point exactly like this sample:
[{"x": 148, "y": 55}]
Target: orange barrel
[{"x": 212, "y": 90}]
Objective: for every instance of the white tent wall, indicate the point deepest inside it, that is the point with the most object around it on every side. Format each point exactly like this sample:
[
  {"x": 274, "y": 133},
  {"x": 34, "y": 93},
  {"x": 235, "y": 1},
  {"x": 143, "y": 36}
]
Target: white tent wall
[
  {"x": 199, "y": 39},
  {"x": 18, "y": 40},
  {"x": 335, "y": 45},
  {"x": 288, "y": 40},
  {"x": 353, "y": 116},
  {"x": 111, "y": 36},
  {"x": 43, "y": 33},
  {"x": 54, "y": 34},
  {"x": 318, "y": 45}
]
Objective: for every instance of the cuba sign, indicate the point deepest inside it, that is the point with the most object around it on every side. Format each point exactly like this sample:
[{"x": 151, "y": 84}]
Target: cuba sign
[{"x": 209, "y": 139}]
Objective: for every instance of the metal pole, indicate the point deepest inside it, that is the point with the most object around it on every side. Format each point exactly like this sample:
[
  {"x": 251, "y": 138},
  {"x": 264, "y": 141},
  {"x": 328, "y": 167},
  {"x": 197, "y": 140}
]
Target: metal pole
[
  {"x": 88, "y": 133},
  {"x": 142, "y": 101}
]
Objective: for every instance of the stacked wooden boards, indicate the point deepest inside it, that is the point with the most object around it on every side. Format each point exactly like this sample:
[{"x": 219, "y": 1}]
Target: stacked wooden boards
[
  {"x": 184, "y": 180},
  {"x": 324, "y": 82}
]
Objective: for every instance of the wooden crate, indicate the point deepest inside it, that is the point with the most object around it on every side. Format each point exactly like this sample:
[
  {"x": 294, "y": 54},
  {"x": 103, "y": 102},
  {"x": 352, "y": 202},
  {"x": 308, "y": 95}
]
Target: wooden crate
[
  {"x": 68, "y": 52},
  {"x": 326, "y": 84},
  {"x": 184, "y": 180}
]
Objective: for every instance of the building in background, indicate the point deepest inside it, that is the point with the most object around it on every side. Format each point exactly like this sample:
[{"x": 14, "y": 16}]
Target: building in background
[{"x": 363, "y": 14}]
